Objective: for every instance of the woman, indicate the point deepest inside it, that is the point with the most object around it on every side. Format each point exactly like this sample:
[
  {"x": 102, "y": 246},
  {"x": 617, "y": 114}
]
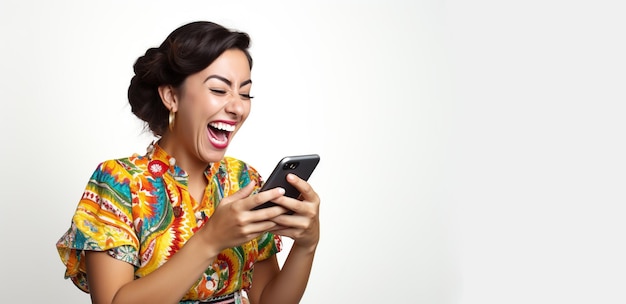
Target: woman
[{"x": 176, "y": 225}]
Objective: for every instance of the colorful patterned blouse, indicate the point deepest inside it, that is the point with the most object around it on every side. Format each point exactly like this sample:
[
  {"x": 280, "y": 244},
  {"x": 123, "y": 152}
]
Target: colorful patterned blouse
[{"x": 138, "y": 209}]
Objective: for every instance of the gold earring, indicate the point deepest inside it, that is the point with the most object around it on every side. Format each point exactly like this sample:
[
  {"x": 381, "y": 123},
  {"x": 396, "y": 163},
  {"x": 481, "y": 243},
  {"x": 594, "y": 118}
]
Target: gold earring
[{"x": 172, "y": 117}]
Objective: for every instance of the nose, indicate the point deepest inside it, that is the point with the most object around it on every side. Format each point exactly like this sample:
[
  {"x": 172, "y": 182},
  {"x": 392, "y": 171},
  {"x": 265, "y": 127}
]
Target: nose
[{"x": 235, "y": 105}]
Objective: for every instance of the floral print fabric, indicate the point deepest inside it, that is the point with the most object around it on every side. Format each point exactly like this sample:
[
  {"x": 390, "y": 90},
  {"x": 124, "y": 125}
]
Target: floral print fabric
[{"x": 138, "y": 209}]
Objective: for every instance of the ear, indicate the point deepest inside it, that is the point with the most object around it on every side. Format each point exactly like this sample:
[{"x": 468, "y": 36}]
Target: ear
[{"x": 168, "y": 97}]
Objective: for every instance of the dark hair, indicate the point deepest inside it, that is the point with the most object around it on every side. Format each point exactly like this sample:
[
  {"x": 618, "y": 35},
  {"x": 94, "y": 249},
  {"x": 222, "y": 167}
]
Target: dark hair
[{"x": 187, "y": 50}]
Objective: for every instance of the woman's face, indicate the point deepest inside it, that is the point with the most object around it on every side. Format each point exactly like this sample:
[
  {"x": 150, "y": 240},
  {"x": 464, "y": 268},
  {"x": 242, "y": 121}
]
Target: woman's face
[{"x": 211, "y": 107}]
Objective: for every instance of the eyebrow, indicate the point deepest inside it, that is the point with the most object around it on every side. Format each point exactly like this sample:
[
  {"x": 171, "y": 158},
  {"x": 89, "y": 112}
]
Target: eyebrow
[{"x": 226, "y": 81}]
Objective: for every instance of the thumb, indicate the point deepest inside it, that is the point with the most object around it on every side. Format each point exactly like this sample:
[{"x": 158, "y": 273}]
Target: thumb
[{"x": 240, "y": 194}]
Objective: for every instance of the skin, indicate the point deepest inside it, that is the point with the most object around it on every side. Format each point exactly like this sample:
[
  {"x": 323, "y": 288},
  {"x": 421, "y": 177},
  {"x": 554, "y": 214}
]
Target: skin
[{"x": 219, "y": 92}]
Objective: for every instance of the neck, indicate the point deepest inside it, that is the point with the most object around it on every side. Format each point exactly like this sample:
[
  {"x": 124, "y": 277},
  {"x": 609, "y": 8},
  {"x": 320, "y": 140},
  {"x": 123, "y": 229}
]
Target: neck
[{"x": 188, "y": 162}]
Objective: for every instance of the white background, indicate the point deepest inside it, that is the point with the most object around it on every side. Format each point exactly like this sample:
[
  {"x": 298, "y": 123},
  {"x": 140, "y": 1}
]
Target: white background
[{"x": 472, "y": 151}]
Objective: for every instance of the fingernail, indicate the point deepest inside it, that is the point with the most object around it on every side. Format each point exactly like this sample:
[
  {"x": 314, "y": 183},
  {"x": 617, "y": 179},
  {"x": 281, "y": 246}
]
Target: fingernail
[{"x": 281, "y": 190}]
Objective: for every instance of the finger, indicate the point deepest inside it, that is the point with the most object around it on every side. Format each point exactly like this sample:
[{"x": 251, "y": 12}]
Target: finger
[
  {"x": 291, "y": 233},
  {"x": 266, "y": 214},
  {"x": 255, "y": 229},
  {"x": 277, "y": 228},
  {"x": 292, "y": 221},
  {"x": 263, "y": 197},
  {"x": 306, "y": 191},
  {"x": 306, "y": 208},
  {"x": 240, "y": 194}
]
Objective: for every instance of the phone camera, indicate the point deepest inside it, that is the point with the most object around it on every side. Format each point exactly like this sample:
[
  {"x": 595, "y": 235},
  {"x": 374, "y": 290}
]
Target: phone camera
[{"x": 290, "y": 165}]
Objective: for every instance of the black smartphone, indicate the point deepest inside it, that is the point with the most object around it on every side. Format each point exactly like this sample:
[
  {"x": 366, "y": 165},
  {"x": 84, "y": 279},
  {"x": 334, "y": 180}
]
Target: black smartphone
[{"x": 300, "y": 165}]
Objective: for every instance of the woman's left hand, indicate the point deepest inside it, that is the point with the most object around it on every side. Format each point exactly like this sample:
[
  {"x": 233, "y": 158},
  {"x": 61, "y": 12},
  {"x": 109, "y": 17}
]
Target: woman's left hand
[{"x": 303, "y": 225}]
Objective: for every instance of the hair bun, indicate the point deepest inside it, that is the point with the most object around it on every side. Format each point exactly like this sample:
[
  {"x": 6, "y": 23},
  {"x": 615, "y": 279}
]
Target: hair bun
[{"x": 149, "y": 68}]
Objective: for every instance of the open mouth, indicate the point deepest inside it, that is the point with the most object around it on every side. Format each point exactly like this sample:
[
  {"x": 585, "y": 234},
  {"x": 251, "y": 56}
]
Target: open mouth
[{"x": 219, "y": 133}]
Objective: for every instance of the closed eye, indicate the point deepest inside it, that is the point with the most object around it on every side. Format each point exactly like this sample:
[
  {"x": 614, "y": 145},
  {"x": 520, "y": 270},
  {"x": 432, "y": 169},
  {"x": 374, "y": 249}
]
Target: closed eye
[
  {"x": 218, "y": 91},
  {"x": 246, "y": 96}
]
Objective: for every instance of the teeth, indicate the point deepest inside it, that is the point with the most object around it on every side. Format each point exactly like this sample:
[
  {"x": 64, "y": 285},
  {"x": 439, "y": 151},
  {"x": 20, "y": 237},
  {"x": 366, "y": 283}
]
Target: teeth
[{"x": 223, "y": 126}]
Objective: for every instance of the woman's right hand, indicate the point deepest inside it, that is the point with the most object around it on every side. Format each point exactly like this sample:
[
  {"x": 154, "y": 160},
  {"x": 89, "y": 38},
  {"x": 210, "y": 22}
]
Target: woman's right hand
[{"x": 234, "y": 222}]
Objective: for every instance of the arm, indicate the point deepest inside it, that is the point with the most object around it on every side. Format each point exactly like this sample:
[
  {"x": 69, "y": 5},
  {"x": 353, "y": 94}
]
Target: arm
[
  {"x": 287, "y": 285},
  {"x": 112, "y": 281}
]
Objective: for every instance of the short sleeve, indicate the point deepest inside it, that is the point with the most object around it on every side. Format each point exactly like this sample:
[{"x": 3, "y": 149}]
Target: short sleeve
[{"x": 102, "y": 222}]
